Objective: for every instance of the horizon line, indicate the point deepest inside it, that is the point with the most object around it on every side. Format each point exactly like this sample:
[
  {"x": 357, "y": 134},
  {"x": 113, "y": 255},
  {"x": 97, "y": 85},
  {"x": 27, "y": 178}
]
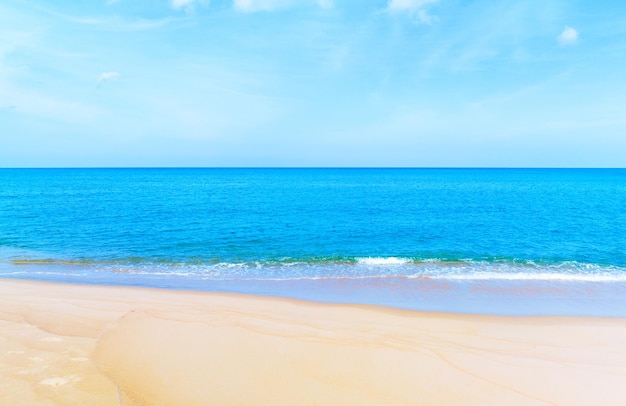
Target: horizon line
[{"x": 309, "y": 167}]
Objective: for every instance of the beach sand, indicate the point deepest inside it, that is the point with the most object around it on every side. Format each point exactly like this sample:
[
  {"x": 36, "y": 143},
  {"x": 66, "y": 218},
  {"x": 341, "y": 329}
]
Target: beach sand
[{"x": 92, "y": 345}]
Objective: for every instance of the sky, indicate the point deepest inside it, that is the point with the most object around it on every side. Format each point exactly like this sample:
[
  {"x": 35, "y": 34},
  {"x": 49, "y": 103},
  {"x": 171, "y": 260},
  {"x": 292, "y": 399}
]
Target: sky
[{"x": 407, "y": 83}]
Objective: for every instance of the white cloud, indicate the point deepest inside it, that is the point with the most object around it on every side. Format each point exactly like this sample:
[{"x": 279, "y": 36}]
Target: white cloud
[
  {"x": 408, "y": 5},
  {"x": 326, "y": 3},
  {"x": 569, "y": 36},
  {"x": 187, "y": 5},
  {"x": 423, "y": 17},
  {"x": 260, "y": 5},
  {"x": 105, "y": 76},
  {"x": 249, "y": 6},
  {"x": 415, "y": 8},
  {"x": 178, "y": 4}
]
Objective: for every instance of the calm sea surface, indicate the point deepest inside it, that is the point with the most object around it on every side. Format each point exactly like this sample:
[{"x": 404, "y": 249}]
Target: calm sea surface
[{"x": 510, "y": 241}]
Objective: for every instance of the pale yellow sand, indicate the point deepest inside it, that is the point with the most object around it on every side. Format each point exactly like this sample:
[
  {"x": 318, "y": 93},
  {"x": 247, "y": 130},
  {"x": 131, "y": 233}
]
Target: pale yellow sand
[{"x": 86, "y": 345}]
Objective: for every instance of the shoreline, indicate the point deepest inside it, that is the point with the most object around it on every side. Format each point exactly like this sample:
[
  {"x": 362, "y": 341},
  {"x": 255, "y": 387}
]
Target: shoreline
[
  {"x": 94, "y": 344},
  {"x": 525, "y": 297}
]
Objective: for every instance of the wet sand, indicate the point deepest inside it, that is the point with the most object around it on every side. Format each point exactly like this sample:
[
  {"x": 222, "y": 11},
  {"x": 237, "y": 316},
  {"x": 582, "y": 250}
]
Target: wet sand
[{"x": 92, "y": 345}]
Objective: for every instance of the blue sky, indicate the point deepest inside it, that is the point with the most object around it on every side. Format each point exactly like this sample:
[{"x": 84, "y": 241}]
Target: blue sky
[{"x": 313, "y": 83}]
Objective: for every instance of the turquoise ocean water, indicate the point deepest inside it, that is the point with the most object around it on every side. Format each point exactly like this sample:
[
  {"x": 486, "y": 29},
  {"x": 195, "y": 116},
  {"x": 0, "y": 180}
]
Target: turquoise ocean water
[{"x": 503, "y": 241}]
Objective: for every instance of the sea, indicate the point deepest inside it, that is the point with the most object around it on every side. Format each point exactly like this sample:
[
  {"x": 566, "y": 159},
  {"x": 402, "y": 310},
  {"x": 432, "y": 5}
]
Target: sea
[{"x": 485, "y": 241}]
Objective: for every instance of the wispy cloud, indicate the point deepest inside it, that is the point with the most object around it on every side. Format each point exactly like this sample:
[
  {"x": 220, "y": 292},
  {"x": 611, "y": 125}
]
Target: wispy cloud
[
  {"x": 106, "y": 76},
  {"x": 259, "y": 5},
  {"x": 569, "y": 36},
  {"x": 577, "y": 124},
  {"x": 415, "y": 8},
  {"x": 113, "y": 23},
  {"x": 422, "y": 16},
  {"x": 187, "y": 5},
  {"x": 250, "y": 6},
  {"x": 408, "y": 5},
  {"x": 326, "y": 3},
  {"x": 43, "y": 104}
]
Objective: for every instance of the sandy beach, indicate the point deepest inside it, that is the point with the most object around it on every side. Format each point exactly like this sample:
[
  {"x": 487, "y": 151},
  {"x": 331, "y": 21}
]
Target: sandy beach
[{"x": 93, "y": 345}]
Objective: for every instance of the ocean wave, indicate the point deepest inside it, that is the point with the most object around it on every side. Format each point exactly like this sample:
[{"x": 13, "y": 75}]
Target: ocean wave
[
  {"x": 383, "y": 261},
  {"x": 534, "y": 276},
  {"x": 356, "y": 268}
]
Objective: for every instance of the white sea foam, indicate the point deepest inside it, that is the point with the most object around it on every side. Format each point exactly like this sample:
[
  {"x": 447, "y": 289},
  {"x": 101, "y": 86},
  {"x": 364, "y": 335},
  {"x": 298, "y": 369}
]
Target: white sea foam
[
  {"x": 383, "y": 261},
  {"x": 361, "y": 268},
  {"x": 533, "y": 276}
]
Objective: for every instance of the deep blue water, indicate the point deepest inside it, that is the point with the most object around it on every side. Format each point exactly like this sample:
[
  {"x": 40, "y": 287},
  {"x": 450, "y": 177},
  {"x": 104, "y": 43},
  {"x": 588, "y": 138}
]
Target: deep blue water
[{"x": 403, "y": 237}]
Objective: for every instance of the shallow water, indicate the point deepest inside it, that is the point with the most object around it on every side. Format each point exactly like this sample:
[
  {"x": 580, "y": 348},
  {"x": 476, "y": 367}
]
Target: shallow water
[{"x": 506, "y": 241}]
